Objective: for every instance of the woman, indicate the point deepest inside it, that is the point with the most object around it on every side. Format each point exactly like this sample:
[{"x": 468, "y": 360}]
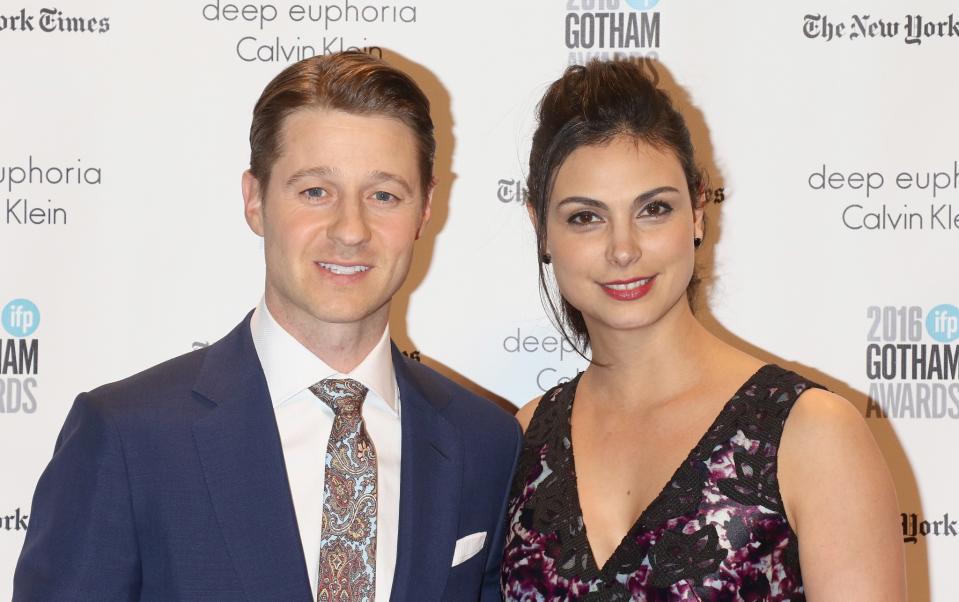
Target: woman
[{"x": 676, "y": 467}]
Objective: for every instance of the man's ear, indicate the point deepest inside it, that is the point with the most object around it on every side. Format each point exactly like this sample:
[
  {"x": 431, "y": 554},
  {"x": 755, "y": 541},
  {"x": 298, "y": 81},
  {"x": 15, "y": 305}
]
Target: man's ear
[
  {"x": 427, "y": 209},
  {"x": 253, "y": 202}
]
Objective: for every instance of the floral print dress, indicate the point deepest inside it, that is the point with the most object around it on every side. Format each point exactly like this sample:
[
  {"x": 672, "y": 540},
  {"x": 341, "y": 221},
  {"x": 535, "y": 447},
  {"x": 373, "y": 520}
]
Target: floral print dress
[{"x": 716, "y": 532}]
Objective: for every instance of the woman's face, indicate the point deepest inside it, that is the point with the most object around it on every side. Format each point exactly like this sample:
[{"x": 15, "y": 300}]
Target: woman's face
[{"x": 620, "y": 229}]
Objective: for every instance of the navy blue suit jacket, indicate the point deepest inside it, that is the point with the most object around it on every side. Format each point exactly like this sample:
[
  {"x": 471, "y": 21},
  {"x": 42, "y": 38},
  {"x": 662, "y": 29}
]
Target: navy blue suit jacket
[{"x": 171, "y": 485}]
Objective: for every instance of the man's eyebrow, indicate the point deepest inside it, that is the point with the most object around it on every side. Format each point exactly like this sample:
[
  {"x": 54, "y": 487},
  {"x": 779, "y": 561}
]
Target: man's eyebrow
[
  {"x": 319, "y": 171},
  {"x": 378, "y": 176}
]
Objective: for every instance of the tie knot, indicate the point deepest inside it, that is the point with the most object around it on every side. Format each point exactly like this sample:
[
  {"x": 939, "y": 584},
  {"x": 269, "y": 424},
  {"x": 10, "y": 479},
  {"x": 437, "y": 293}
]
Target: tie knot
[{"x": 343, "y": 395}]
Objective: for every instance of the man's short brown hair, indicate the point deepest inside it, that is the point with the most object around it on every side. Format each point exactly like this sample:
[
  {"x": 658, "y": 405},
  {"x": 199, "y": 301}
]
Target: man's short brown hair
[{"x": 353, "y": 82}]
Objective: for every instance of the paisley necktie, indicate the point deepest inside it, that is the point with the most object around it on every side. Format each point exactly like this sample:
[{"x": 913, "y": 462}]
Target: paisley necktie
[{"x": 348, "y": 539}]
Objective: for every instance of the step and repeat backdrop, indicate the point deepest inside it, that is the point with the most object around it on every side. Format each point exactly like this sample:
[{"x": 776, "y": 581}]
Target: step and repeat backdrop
[{"x": 828, "y": 129}]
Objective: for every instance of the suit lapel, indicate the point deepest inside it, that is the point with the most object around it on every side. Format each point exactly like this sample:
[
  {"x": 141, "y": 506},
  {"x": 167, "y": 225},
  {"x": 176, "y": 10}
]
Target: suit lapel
[
  {"x": 239, "y": 447},
  {"x": 430, "y": 479}
]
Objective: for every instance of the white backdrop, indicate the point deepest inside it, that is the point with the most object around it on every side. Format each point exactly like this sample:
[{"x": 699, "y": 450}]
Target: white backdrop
[{"x": 829, "y": 126}]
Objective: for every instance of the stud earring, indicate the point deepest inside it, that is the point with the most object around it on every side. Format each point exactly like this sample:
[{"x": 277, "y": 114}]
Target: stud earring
[
  {"x": 697, "y": 242},
  {"x": 546, "y": 258}
]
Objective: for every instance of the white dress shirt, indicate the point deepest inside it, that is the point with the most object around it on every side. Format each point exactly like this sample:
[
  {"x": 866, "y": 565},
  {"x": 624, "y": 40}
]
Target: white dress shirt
[{"x": 305, "y": 423}]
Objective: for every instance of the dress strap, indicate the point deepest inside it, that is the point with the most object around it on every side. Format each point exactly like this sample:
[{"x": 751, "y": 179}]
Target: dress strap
[
  {"x": 773, "y": 392},
  {"x": 546, "y": 432},
  {"x": 551, "y": 412}
]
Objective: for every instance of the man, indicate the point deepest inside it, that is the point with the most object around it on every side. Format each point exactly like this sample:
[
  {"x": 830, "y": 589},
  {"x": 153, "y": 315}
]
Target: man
[{"x": 301, "y": 457}]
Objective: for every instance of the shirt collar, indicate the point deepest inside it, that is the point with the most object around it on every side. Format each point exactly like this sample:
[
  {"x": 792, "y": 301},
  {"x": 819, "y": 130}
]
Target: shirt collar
[{"x": 290, "y": 368}]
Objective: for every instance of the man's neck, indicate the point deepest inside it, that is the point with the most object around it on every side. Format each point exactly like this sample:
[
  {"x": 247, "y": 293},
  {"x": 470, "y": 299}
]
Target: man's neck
[{"x": 342, "y": 346}]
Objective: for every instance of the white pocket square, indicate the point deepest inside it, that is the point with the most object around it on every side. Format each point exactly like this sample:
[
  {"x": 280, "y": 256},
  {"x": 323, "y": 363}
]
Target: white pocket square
[{"x": 467, "y": 547}]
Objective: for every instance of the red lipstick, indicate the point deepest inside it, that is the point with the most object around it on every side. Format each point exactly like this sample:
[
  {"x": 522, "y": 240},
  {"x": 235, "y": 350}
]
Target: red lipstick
[{"x": 628, "y": 290}]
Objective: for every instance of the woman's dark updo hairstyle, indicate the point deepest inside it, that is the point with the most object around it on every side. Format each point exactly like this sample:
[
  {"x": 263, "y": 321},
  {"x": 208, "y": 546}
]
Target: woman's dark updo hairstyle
[{"x": 591, "y": 105}]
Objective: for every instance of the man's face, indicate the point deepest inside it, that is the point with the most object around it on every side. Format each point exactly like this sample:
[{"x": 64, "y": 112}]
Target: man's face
[{"x": 339, "y": 216}]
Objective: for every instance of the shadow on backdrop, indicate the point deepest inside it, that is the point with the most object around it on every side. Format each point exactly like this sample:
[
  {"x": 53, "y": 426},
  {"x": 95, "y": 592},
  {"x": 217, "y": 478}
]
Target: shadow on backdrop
[
  {"x": 425, "y": 246},
  {"x": 907, "y": 489}
]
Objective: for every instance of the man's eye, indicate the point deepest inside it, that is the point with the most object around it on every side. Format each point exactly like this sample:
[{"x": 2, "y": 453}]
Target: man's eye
[
  {"x": 314, "y": 193},
  {"x": 582, "y": 218},
  {"x": 383, "y": 196}
]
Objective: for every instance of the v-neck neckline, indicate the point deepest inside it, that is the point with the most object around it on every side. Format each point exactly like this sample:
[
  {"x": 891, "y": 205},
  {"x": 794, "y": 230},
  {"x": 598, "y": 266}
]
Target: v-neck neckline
[{"x": 643, "y": 516}]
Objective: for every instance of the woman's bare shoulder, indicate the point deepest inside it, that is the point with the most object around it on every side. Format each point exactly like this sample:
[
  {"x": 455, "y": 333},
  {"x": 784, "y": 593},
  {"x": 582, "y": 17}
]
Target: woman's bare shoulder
[{"x": 525, "y": 413}]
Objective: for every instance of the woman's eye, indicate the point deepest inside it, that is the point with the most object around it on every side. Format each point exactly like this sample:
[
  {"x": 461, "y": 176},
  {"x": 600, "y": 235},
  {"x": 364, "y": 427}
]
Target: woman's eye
[
  {"x": 384, "y": 197},
  {"x": 582, "y": 218},
  {"x": 657, "y": 209}
]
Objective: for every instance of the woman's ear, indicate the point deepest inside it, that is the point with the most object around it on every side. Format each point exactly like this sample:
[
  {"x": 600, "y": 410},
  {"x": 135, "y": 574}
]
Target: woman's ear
[{"x": 699, "y": 216}]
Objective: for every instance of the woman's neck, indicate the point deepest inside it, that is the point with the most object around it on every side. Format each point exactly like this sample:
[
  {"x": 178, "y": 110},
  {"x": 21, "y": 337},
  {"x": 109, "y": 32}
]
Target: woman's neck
[{"x": 655, "y": 363}]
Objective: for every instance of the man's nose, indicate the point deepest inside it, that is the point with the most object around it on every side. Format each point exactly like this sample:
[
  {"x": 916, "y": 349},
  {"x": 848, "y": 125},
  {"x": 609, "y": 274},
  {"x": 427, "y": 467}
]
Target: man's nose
[{"x": 350, "y": 226}]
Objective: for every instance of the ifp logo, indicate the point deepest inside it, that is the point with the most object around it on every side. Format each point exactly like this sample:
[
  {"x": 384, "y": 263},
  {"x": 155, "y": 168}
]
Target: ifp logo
[
  {"x": 21, "y": 318},
  {"x": 942, "y": 323},
  {"x": 642, "y": 4}
]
